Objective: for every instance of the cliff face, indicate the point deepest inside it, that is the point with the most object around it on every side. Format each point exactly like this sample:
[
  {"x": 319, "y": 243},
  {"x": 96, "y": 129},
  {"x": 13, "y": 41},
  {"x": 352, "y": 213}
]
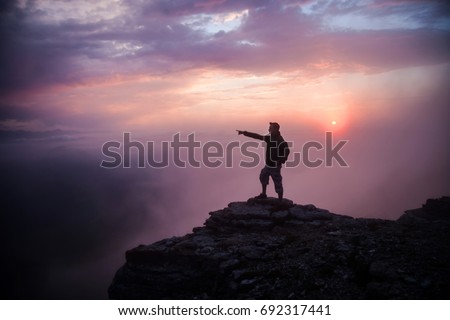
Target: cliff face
[{"x": 264, "y": 249}]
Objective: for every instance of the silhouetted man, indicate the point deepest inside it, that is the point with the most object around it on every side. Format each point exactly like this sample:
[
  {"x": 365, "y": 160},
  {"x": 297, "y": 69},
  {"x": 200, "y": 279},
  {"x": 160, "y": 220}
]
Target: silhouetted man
[{"x": 277, "y": 152}]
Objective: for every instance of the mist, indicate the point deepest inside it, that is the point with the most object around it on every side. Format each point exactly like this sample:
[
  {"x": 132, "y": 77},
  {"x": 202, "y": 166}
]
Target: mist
[{"x": 67, "y": 222}]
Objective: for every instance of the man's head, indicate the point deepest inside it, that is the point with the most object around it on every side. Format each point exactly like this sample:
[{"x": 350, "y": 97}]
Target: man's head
[{"x": 274, "y": 128}]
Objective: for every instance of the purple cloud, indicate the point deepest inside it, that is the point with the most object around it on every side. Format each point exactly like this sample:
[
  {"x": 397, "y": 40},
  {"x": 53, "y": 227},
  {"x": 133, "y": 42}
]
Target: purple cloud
[{"x": 161, "y": 36}]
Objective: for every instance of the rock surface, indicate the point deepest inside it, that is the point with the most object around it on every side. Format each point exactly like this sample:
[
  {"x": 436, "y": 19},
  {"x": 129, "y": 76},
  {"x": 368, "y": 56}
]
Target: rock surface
[{"x": 266, "y": 249}]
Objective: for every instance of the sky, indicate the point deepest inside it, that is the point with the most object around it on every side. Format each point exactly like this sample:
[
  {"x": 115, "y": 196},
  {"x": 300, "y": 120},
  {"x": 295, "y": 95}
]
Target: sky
[{"x": 77, "y": 74}]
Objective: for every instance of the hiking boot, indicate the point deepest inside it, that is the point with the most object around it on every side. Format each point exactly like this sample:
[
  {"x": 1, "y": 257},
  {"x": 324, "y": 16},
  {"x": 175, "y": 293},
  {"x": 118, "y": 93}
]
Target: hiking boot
[{"x": 261, "y": 196}]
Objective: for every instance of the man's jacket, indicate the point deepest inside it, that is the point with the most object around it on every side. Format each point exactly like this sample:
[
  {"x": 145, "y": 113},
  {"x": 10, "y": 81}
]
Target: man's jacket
[{"x": 277, "y": 150}]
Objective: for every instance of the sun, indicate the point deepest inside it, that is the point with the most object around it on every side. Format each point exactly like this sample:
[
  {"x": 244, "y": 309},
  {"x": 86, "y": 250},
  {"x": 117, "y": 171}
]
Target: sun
[{"x": 333, "y": 123}]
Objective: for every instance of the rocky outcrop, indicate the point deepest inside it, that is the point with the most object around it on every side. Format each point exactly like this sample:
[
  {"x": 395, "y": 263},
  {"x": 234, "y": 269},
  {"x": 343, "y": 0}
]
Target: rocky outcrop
[{"x": 266, "y": 249}]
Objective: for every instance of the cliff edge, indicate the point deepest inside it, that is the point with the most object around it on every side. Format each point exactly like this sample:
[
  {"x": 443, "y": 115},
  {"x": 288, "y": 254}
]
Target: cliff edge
[{"x": 266, "y": 249}]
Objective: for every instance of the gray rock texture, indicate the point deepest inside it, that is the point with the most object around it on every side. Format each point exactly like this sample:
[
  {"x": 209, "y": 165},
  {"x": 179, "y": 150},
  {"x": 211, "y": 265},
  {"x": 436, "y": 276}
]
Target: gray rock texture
[{"x": 266, "y": 249}]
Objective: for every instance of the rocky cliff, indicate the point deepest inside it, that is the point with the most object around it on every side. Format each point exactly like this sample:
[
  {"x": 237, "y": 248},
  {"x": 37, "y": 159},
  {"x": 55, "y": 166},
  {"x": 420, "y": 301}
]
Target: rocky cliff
[{"x": 266, "y": 249}]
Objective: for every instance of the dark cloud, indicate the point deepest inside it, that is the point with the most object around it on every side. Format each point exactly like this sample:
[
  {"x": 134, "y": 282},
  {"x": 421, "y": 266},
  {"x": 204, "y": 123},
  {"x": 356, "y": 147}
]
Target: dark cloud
[
  {"x": 7, "y": 6},
  {"x": 30, "y": 55},
  {"x": 38, "y": 54},
  {"x": 423, "y": 10},
  {"x": 9, "y": 111},
  {"x": 190, "y": 7},
  {"x": 7, "y": 136},
  {"x": 420, "y": 10}
]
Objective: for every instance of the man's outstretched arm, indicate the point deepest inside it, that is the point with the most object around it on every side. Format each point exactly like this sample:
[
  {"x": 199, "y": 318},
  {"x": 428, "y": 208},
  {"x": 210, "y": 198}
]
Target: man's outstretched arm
[{"x": 251, "y": 134}]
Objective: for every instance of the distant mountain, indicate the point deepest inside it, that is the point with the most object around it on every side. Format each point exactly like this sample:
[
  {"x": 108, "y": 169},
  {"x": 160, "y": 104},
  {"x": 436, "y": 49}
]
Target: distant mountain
[{"x": 266, "y": 249}]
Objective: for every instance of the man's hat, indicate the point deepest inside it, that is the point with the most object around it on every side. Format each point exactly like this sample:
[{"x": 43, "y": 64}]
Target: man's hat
[{"x": 276, "y": 125}]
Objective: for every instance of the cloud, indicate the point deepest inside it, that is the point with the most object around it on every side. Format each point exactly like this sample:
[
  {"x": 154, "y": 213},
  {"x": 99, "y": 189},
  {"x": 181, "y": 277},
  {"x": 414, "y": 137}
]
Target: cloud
[
  {"x": 155, "y": 38},
  {"x": 14, "y": 136},
  {"x": 192, "y": 7},
  {"x": 287, "y": 38},
  {"x": 9, "y": 111},
  {"x": 33, "y": 55}
]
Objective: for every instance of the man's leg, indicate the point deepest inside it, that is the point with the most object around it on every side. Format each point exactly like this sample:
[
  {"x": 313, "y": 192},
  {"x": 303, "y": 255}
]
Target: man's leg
[
  {"x": 277, "y": 181},
  {"x": 264, "y": 179}
]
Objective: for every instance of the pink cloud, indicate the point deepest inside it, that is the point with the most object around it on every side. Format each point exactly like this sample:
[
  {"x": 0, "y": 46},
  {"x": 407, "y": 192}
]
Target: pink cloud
[{"x": 273, "y": 36}]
